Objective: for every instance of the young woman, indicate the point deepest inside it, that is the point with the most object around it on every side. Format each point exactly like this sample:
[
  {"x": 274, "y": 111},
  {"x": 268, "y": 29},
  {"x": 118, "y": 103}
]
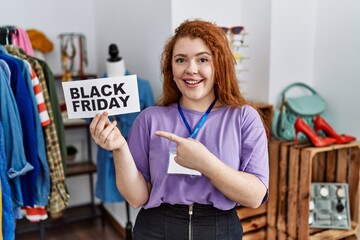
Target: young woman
[{"x": 202, "y": 151}]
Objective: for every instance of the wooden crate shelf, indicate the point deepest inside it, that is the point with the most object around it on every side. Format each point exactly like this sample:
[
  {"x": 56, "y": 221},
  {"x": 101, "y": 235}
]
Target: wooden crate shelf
[
  {"x": 255, "y": 235},
  {"x": 292, "y": 170},
  {"x": 267, "y": 113},
  {"x": 244, "y": 212},
  {"x": 253, "y": 221},
  {"x": 335, "y": 233}
]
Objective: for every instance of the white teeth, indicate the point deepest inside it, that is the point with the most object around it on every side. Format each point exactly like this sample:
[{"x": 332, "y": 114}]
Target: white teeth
[{"x": 191, "y": 82}]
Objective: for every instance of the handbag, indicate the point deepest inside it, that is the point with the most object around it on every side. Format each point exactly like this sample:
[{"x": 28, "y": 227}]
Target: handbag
[{"x": 306, "y": 107}]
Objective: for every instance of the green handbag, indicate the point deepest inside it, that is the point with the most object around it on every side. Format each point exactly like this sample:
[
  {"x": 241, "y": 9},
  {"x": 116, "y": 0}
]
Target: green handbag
[{"x": 306, "y": 107}]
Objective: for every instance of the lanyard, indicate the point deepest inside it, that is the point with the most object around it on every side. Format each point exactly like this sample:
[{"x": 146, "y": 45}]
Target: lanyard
[{"x": 200, "y": 123}]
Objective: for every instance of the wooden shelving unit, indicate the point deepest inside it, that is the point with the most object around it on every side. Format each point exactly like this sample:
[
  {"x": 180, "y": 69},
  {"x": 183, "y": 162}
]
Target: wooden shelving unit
[
  {"x": 80, "y": 169},
  {"x": 293, "y": 169},
  {"x": 73, "y": 214},
  {"x": 82, "y": 212},
  {"x": 84, "y": 166},
  {"x": 253, "y": 222}
]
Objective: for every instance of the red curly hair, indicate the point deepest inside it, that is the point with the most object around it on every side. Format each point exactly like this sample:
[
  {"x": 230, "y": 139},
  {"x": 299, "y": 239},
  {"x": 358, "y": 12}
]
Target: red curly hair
[{"x": 226, "y": 85}]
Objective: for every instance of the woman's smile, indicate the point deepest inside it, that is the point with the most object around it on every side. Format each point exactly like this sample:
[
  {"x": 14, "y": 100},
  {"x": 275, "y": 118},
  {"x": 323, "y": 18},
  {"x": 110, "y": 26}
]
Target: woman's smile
[{"x": 193, "y": 82}]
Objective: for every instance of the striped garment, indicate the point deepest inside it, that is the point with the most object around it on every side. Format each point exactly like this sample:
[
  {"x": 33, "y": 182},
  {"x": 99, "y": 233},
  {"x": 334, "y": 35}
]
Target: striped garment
[{"x": 39, "y": 96}]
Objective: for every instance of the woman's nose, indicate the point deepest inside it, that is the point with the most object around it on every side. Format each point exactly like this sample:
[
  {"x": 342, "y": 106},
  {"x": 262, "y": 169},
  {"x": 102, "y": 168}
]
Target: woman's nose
[{"x": 191, "y": 68}]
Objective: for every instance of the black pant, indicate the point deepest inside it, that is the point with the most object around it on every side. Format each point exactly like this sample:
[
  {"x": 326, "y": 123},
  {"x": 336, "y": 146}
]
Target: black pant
[{"x": 171, "y": 222}]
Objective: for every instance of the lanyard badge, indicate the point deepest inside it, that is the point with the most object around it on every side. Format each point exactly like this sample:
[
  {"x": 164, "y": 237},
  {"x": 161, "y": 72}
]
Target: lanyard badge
[
  {"x": 174, "y": 167},
  {"x": 200, "y": 123}
]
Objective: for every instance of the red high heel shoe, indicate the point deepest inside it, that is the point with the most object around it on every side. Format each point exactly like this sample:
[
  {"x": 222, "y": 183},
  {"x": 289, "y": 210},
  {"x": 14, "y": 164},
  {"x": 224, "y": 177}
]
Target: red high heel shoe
[
  {"x": 301, "y": 126},
  {"x": 321, "y": 124}
]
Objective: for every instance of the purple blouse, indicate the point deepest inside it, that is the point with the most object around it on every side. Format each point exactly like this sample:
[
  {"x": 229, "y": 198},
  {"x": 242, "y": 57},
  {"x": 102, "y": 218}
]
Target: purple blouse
[{"x": 235, "y": 135}]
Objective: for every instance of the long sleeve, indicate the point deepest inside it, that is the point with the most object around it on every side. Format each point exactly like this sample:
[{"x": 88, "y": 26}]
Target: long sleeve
[
  {"x": 16, "y": 164},
  {"x": 58, "y": 192},
  {"x": 8, "y": 224}
]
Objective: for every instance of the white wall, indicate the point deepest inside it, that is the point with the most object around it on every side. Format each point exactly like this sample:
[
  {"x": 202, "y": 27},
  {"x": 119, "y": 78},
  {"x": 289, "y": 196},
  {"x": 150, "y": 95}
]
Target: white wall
[
  {"x": 230, "y": 14},
  {"x": 292, "y": 44},
  {"x": 53, "y": 18},
  {"x": 139, "y": 28},
  {"x": 337, "y": 64},
  {"x": 257, "y": 21}
]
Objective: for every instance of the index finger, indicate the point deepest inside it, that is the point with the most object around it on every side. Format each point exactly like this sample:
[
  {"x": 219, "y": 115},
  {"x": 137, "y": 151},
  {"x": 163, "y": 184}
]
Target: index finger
[
  {"x": 99, "y": 121},
  {"x": 93, "y": 123},
  {"x": 170, "y": 136}
]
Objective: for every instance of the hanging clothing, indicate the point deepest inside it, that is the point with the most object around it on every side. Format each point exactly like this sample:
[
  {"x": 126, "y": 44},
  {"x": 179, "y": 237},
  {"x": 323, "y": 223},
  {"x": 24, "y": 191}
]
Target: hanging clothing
[
  {"x": 58, "y": 193},
  {"x": 42, "y": 186},
  {"x": 8, "y": 220},
  {"x": 1, "y": 237},
  {"x": 17, "y": 164},
  {"x": 6, "y": 33},
  {"x": 40, "y": 192},
  {"x": 22, "y": 40},
  {"x": 106, "y": 189},
  {"x": 58, "y": 120},
  {"x": 39, "y": 97},
  {"x": 18, "y": 78}
]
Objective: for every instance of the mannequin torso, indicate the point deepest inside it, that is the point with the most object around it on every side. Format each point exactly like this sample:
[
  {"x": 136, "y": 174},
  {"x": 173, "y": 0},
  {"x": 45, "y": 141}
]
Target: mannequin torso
[
  {"x": 115, "y": 69},
  {"x": 115, "y": 65}
]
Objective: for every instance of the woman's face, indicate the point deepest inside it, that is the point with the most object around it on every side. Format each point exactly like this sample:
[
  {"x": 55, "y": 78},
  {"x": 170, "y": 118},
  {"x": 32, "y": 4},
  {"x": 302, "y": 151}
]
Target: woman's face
[{"x": 193, "y": 70}]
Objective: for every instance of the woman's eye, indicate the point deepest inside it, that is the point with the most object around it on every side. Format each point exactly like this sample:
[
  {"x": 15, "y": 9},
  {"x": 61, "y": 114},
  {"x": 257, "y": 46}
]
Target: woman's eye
[
  {"x": 179, "y": 60},
  {"x": 203, "y": 60}
]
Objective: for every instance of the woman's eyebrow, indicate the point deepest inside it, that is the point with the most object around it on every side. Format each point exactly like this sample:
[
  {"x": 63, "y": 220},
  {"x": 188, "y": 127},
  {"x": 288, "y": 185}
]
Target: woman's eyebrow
[{"x": 197, "y": 54}]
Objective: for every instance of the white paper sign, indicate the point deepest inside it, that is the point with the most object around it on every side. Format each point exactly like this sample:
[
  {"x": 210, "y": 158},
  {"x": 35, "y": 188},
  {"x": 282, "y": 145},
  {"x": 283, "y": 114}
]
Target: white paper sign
[
  {"x": 175, "y": 168},
  {"x": 116, "y": 95}
]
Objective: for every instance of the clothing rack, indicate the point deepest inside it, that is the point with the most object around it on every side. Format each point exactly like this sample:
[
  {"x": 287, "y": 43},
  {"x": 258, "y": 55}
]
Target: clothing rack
[
  {"x": 8, "y": 29},
  {"x": 5, "y": 39},
  {"x": 5, "y": 34}
]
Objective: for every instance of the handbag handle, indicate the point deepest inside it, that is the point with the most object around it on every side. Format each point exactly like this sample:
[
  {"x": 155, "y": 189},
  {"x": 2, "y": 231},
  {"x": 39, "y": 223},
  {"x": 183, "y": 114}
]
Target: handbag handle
[{"x": 297, "y": 84}]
